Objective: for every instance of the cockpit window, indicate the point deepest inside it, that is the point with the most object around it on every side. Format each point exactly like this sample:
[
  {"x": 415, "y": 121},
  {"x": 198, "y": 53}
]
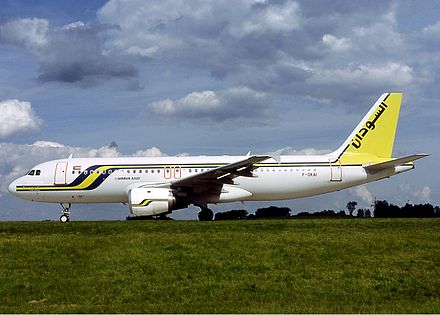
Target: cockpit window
[{"x": 34, "y": 173}]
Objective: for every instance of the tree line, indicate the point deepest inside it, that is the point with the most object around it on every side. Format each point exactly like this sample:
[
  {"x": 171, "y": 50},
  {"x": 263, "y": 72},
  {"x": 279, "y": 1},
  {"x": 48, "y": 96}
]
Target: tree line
[{"x": 382, "y": 209}]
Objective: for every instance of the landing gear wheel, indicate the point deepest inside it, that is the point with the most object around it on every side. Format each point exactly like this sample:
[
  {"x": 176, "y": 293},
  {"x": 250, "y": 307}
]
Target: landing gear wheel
[
  {"x": 64, "y": 218},
  {"x": 206, "y": 215}
]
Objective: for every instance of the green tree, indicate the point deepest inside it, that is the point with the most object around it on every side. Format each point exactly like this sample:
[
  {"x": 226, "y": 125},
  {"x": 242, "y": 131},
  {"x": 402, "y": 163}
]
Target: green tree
[
  {"x": 272, "y": 212},
  {"x": 351, "y": 206}
]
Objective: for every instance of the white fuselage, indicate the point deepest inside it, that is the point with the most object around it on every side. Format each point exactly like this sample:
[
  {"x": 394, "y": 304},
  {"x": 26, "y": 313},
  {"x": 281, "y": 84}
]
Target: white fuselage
[{"x": 108, "y": 180}]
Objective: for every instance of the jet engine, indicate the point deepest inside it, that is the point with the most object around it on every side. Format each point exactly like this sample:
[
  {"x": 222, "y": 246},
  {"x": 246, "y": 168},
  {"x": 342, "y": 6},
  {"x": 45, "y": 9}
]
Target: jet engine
[{"x": 151, "y": 201}]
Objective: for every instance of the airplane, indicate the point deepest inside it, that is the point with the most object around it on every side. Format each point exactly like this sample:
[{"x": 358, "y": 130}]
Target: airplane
[{"x": 152, "y": 186}]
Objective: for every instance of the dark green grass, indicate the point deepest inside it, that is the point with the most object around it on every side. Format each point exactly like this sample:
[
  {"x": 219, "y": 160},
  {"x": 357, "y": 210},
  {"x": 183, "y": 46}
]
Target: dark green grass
[{"x": 273, "y": 266}]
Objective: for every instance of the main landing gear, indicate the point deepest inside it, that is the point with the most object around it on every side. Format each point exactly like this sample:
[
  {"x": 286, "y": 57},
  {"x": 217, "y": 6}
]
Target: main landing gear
[
  {"x": 205, "y": 214},
  {"x": 65, "y": 217}
]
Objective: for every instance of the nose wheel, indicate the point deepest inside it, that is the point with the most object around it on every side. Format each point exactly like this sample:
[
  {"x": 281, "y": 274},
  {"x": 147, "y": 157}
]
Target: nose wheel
[{"x": 65, "y": 217}]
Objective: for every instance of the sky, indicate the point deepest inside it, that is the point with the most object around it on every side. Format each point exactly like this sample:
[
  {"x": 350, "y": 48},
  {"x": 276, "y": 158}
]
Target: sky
[{"x": 156, "y": 78}]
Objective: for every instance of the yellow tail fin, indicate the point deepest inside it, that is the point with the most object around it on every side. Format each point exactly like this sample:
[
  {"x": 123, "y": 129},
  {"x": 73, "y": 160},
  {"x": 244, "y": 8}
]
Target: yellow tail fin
[{"x": 373, "y": 139}]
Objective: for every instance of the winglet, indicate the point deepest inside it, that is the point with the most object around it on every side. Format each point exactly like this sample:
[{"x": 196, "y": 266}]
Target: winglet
[{"x": 276, "y": 156}]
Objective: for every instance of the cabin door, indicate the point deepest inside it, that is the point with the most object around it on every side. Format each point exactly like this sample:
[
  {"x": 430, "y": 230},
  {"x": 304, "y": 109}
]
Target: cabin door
[
  {"x": 61, "y": 173},
  {"x": 335, "y": 171}
]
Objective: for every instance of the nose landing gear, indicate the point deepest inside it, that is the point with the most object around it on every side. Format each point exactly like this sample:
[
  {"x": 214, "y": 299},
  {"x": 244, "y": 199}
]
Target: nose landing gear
[{"x": 65, "y": 217}]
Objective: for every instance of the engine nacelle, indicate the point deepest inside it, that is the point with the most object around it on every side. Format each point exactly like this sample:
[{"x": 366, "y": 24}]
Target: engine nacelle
[{"x": 151, "y": 201}]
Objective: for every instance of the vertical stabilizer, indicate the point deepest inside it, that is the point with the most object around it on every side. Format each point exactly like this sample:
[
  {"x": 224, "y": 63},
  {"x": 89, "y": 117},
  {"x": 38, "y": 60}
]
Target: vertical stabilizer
[{"x": 373, "y": 138}]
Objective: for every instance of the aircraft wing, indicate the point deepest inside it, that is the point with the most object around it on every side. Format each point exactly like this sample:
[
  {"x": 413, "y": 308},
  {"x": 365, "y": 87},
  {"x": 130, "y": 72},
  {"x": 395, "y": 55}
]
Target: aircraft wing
[
  {"x": 373, "y": 168},
  {"x": 222, "y": 174},
  {"x": 202, "y": 188}
]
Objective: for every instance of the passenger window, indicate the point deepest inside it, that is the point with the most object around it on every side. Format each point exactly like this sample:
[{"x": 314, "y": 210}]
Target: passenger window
[
  {"x": 134, "y": 171},
  {"x": 128, "y": 171}
]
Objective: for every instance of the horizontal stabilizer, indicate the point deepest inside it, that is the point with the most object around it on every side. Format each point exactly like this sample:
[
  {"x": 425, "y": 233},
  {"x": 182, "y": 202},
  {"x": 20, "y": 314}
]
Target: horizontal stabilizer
[{"x": 393, "y": 163}]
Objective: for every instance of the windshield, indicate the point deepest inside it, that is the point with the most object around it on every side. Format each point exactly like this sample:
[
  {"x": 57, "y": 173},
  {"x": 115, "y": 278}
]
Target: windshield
[{"x": 34, "y": 173}]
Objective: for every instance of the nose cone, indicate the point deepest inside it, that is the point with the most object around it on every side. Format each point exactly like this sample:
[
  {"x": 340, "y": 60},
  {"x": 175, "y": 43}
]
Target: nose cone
[{"x": 12, "y": 187}]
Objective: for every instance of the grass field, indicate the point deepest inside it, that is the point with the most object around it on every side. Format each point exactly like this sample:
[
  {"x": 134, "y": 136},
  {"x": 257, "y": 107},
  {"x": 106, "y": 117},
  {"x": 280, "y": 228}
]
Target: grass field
[{"x": 281, "y": 266}]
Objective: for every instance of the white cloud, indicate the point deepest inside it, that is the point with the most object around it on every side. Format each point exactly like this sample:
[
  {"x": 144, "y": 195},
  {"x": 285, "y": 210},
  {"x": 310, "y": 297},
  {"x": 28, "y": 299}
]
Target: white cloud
[
  {"x": 419, "y": 195},
  {"x": 48, "y": 144},
  {"x": 105, "y": 151},
  {"x": 388, "y": 74},
  {"x": 336, "y": 44},
  {"x": 305, "y": 49},
  {"x": 363, "y": 193},
  {"x": 307, "y": 151},
  {"x": 17, "y": 117},
  {"x": 380, "y": 37},
  {"x": 245, "y": 44},
  {"x": 195, "y": 101},
  {"x": 75, "y": 25},
  {"x": 432, "y": 30},
  {"x": 143, "y": 52},
  {"x": 423, "y": 194},
  {"x": 217, "y": 106},
  {"x": 109, "y": 151},
  {"x": 269, "y": 19},
  {"x": 29, "y": 33},
  {"x": 195, "y": 31},
  {"x": 154, "y": 152},
  {"x": 427, "y": 40}
]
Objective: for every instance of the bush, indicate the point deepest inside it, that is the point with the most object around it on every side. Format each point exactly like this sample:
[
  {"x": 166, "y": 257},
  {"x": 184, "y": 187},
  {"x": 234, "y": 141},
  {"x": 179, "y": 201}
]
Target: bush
[{"x": 272, "y": 212}]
